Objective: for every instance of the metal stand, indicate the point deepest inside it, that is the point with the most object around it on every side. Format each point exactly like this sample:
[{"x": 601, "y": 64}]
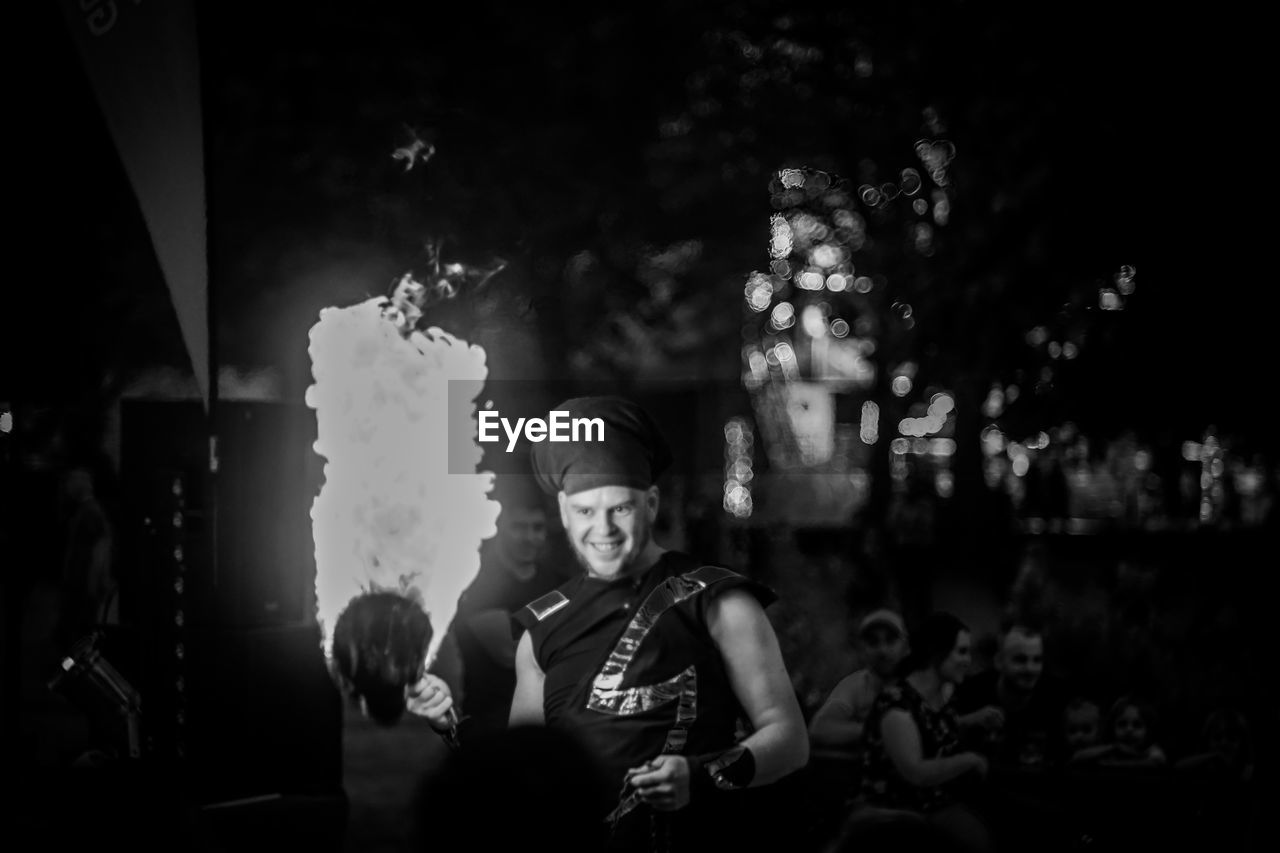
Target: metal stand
[{"x": 88, "y": 677}]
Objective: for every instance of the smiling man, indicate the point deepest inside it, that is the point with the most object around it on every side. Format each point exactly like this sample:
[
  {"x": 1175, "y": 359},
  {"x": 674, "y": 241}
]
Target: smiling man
[
  {"x": 1013, "y": 712},
  {"x": 667, "y": 669}
]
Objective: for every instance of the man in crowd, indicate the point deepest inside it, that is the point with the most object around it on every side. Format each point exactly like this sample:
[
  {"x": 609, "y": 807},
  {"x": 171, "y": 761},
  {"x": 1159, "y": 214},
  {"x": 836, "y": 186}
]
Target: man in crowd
[
  {"x": 837, "y": 731},
  {"x": 1013, "y": 712},
  {"x": 837, "y": 727}
]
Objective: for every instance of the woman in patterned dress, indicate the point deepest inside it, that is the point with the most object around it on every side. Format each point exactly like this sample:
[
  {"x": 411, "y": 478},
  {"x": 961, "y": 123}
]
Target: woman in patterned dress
[{"x": 914, "y": 764}]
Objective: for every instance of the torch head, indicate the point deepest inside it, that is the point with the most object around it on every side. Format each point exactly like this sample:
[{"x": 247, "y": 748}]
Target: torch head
[{"x": 380, "y": 646}]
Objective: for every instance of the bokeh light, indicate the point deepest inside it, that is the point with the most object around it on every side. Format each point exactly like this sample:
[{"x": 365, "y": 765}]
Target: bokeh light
[
  {"x": 781, "y": 236},
  {"x": 1125, "y": 280},
  {"x": 941, "y": 208},
  {"x": 759, "y": 292},
  {"x": 924, "y": 238},
  {"x": 791, "y": 178},
  {"x": 993, "y": 441},
  {"x": 813, "y": 321},
  {"x": 738, "y": 455},
  {"x": 993, "y": 406},
  {"x": 910, "y": 182},
  {"x": 826, "y": 255},
  {"x": 811, "y": 280},
  {"x": 869, "y": 428},
  {"x": 783, "y": 316}
]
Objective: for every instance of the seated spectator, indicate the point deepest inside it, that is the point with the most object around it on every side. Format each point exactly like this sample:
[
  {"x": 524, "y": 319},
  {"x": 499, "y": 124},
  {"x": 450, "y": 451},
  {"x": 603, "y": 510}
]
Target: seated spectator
[
  {"x": 1228, "y": 748},
  {"x": 1013, "y": 713},
  {"x": 1228, "y": 808},
  {"x": 1082, "y": 726},
  {"x": 913, "y": 761},
  {"x": 836, "y": 731},
  {"x": 838, "y": 726},
  {"x": 1130, "y": 733}
]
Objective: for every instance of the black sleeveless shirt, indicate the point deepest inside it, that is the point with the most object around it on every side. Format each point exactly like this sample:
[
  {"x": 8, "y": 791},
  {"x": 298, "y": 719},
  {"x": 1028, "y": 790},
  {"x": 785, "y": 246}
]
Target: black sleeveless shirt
[{"x": 630, "y": 666}]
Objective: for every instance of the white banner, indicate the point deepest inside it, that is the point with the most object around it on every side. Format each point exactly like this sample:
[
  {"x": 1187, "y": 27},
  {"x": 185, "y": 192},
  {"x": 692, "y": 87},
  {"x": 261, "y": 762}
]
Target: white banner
[{"x": 142, "y": 61}]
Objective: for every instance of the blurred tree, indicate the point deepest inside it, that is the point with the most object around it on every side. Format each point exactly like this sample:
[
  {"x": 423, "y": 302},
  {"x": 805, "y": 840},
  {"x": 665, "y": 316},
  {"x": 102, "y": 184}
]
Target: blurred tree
[{"x": 622, "y": 162}]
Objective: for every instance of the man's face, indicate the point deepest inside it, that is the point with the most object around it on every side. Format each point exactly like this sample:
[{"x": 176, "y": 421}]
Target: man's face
[
  {"x": 885, "y": 649},
  {"x": 1082, "y": 727},
  {"x": 956, "y": 665},
  {"x": 522, "y": 533},
  {"x": 609, "y": 526},
  {"x": 1022, "y": 659}
]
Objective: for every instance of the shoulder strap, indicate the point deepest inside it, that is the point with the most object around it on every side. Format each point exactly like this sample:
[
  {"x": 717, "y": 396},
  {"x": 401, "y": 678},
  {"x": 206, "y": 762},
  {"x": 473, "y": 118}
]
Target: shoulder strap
[{"x": 711, "y": 574}]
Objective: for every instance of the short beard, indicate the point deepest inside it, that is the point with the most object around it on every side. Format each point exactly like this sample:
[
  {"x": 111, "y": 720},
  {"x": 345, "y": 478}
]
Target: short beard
[{"x": 642, "y": 542}]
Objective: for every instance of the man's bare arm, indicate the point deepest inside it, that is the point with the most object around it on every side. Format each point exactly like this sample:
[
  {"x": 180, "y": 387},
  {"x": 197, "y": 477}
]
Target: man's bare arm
[
  {"x": 749, "y": 647},
  {"x": 834, "y": 725},
  {"x": 526, "y": 704}
]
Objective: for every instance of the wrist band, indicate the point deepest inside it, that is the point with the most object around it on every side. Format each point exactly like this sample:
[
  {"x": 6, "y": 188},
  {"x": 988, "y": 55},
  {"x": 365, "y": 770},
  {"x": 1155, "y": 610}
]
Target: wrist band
[{"x": 731, "y": 770}]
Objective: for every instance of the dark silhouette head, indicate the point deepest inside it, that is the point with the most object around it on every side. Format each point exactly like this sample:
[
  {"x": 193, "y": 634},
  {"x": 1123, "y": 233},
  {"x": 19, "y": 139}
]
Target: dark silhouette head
[
  {"x": 1226, "y": 733},
  {"x": 547, "y": 788},
  {"x": 379, "y": 645}
]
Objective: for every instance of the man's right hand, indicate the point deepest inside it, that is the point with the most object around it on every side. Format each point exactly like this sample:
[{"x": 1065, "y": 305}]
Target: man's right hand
[{"x": 430, "y": 698}]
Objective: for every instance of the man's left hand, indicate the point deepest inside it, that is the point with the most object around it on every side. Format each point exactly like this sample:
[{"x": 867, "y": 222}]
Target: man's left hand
[
  {"x": 663, "y": 783},
  {"x": 430, "y": 698}
]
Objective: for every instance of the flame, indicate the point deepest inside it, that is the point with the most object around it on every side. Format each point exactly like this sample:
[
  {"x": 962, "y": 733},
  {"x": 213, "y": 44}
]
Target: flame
[{"x": 390, "y": 515}]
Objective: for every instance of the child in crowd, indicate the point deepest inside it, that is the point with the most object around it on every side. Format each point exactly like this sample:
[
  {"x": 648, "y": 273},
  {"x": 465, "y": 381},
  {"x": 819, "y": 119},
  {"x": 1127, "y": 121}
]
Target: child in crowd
[
  {"x": 1130, "y": 732},
  {"x": 1082, "y": 726},
  {"x": 1228, "y": 748}
]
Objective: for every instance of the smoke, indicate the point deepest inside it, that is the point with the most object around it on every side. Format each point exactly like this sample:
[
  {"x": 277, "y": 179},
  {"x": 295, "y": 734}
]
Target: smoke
[
  {"x": 234, "y": 384},
  {"x": 390, "y": 515}
]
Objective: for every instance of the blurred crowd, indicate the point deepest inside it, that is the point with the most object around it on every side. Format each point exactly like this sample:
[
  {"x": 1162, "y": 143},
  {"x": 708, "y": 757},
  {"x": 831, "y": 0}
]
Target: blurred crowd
[{"x": 1014, "y": 757}]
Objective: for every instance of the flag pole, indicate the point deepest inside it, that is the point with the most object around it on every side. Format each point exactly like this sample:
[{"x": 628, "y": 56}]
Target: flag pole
[{"x": 200, "y": 13}]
